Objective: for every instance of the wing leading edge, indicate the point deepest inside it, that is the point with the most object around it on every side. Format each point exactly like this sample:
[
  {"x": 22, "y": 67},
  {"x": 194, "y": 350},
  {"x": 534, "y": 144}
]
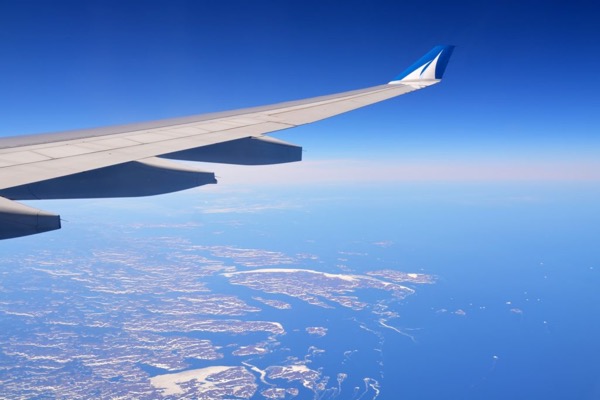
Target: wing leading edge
[{"x": 134, "y": 160}]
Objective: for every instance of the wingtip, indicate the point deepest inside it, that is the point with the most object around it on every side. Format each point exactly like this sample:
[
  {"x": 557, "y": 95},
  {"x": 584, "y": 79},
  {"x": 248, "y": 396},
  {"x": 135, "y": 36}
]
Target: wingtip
[{"x": 430, "y": 67}]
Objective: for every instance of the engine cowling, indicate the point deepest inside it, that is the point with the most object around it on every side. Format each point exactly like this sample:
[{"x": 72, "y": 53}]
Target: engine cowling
[{"x": 17, "y": 220}]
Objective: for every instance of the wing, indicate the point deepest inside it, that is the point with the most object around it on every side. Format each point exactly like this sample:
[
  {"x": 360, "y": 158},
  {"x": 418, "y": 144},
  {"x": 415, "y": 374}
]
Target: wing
[{"x": 133, "y": 160}]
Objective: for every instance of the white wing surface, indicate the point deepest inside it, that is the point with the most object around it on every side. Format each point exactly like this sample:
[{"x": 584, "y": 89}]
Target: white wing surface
[{"x": 132, "y": 160}]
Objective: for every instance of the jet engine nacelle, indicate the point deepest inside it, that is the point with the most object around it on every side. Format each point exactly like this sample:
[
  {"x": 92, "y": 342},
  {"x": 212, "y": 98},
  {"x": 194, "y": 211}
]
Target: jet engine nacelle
[
  {"x": 247, "y": 151},
  {"x": 133, "y": 179},
  {"x": 20, "y": 220}
]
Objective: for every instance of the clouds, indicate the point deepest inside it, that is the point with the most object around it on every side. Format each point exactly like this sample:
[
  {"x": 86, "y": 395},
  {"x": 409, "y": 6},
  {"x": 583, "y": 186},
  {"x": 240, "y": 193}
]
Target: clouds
[
  {"x": 365, "y": 171},
  {"x": 239, "y": 206}
]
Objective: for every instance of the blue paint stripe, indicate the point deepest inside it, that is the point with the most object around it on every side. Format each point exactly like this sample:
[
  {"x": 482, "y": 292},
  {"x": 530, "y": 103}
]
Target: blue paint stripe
[{"x": 443, "y": 50}]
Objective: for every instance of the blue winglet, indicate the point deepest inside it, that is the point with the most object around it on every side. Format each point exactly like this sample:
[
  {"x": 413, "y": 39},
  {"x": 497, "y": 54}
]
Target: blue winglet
[{"x": 431, "y": 66}]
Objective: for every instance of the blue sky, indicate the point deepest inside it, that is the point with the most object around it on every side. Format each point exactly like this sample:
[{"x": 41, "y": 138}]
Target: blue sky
[
  {"x": 520, "y": 89},
  {"x": 519, "y": 102}
]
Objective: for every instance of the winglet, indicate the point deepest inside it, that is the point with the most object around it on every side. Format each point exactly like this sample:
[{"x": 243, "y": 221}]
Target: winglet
[{"x": 427, "y": 68}]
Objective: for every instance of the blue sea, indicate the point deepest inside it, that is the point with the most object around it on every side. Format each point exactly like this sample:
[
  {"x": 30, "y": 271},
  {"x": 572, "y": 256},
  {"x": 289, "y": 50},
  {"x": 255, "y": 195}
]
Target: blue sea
[
  {"x": 521, "y": 260},
  {"x": 514, "y": 312}
]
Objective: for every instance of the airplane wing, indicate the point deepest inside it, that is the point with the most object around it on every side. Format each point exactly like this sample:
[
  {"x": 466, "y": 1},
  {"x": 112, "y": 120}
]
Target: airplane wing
[{"x": 134, "y": 160}]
